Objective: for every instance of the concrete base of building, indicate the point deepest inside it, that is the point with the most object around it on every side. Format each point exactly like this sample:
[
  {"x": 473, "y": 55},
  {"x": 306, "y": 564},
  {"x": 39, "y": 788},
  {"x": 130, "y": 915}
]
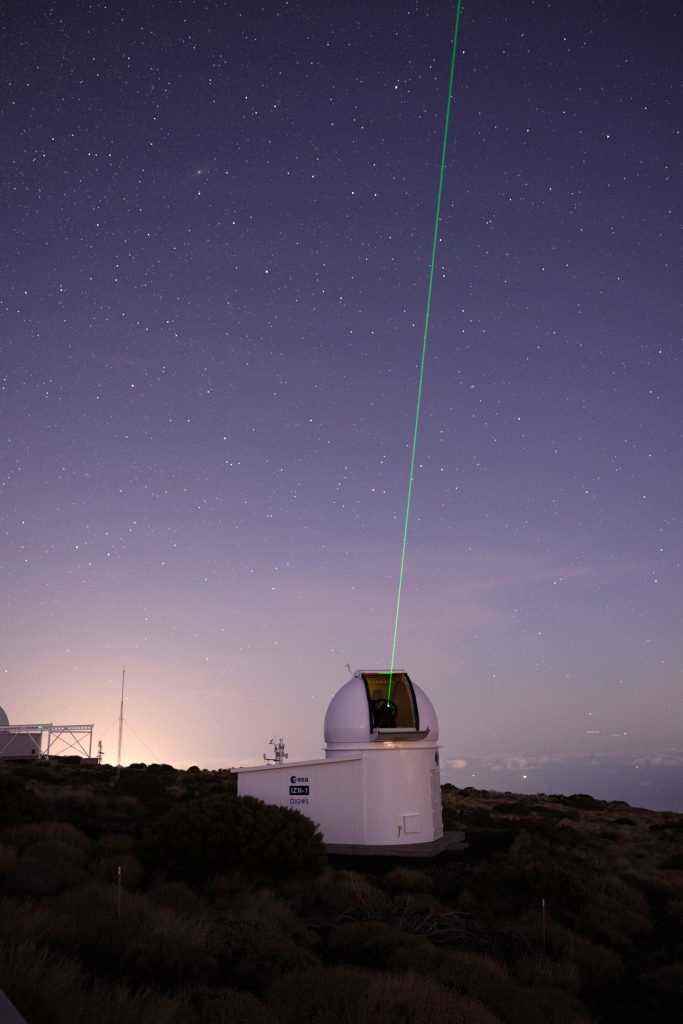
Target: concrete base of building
[{"x": 451, "y": 841}]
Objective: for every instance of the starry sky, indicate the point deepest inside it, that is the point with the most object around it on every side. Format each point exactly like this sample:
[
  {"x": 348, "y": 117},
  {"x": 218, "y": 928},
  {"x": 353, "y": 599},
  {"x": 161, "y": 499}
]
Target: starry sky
[{"x": 216, "y": 223}]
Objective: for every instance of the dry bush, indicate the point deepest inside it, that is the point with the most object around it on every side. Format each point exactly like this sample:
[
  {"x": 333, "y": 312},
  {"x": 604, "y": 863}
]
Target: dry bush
[
  {"x": 47, "y": 868},
  {"x": 56, "y": 850},
  {"x": 264, "y": 905},
  {"x": 598, "y": 966},
  {"x": 534, "y": 868},
  {"x": 485, "y": 979},
  {"x": 8, "y": 861},
  {"x": 570, "y": 960},
  {"x": 85, "y": 924},
  {"x": 478, "y": 976},
  {"x": 22, "y": 922},
  {"x": 58, "y": 831},
  {"x": 340, "y": 894},
  {"x": 667, "y": 979},
  {"x": 171, "y": 950},
  {"x": 148, "y": 944},
  {"x": 210, "y": 835},
  {"x": 419, "y": 1000},
  {"x": 472, "y": 972},
  {"x": 225, "y": 1006},
  {"x": 74, "y": 803},
  {"x": 17, "y": 802},
  {"x": 51, "y": 990},
  {"x": 113, "y": 843},
  {"x": 408, "y": 880},
  {"x": 225, "y": 886},
  {"x": 674, "y": 912},
  {"x": 252, "y": 949},
  {"x": 544, "y": 972},
  {"x": 617, "y": 915},
  {"x": 374, "y": 944},
  {"x": 343, "y": 995},
  {"x": 674, "y": 862},
  {"x": 176, "y": 896}
]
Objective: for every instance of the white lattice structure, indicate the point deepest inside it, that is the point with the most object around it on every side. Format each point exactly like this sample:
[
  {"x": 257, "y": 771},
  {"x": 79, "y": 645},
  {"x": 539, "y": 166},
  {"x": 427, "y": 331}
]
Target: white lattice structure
[{"x": 43, "y": 739}]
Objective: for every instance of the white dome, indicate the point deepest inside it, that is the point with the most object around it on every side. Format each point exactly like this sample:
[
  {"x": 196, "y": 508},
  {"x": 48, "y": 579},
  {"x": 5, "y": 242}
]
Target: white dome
[
  {"x": 348, "y": 714},
  {"x": 4, "y": 720}
]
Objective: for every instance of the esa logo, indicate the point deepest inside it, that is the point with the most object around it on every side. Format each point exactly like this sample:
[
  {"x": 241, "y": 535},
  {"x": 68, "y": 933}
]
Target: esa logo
[{"x": 299, "y": 785}]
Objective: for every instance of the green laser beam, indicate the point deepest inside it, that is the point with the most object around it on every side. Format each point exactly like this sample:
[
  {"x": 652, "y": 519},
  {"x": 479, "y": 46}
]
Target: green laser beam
[{"x": 425, "y": 339}]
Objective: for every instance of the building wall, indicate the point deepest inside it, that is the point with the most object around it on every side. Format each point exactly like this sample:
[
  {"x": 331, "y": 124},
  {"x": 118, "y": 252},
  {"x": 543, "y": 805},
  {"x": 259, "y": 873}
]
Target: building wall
[
  {"x": 402, "y": 795},
  {"x": 384, "y": 796},
  {"x": 19, "y": 745},
  {"x": 328, "y": 792}
]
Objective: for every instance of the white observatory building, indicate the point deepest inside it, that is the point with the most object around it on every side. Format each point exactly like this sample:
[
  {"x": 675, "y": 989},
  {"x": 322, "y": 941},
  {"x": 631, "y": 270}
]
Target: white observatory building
[
  {"x": 18, "y": 743},
  {"x": 378, "y": 788}
]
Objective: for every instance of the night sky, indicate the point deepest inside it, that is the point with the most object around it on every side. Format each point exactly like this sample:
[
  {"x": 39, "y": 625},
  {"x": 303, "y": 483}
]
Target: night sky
[{"x": 216, "y": 223}]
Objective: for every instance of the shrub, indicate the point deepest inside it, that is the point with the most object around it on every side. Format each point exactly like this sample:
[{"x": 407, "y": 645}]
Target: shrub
[
  {"x": 56, "y": 850},
  {"x": 257, "y": 938},
  {"x": 617, "y": 914},
  {"x": 149, "y": 786},
  {"x": 224, "y": 1006},
  {"x": 582, "y": 801},
  {"x": 668, "y": 979},
  {"x": 337, "y": 894},
  {"x": 673, "y": 863},
  {"x": 263, "y": 905},
  {"x": 343, "y": 995},
  {"x": 213, "y": 835},
  {"x": 176, "y": 896},
  {"x": 597, "y": 965},
  {"x": 480, "y": 977},
  {"x": 58, "y": 831},
  {"x": 8, "y": 861},
  {"x": 543, "y": 971},
  {"x": 18, "y": 804},
  {"x": 47, "y": 868},
  {"x": 114, "y": 842},
  {"x": 535, "y": 868},
  {"x": 170, "y": 950},
  {"x": 374, "y": 944},
  {"x": 408, "y": 880},
  {"x": 51, "y": 990},
  {"x": 147, "y": 944}
]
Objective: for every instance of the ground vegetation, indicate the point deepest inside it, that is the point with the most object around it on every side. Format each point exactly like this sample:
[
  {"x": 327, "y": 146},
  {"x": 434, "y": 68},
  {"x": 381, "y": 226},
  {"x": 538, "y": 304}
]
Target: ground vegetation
[{"x": 156, "y": 894}]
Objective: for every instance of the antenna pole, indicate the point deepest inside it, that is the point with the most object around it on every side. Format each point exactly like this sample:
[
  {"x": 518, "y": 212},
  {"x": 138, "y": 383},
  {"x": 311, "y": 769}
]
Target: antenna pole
[{"x": 123, "y": 687}]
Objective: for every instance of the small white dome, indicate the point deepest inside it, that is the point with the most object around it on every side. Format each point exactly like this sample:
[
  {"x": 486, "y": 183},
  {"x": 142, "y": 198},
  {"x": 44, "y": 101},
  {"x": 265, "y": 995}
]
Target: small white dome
[
  {"x": 348, "y": 714},
  {"x": 4, "y": 720}
]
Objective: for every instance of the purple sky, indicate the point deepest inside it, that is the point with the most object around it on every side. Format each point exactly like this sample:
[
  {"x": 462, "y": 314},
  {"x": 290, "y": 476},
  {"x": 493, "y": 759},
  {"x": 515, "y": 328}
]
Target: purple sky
[{"x": 217, "y": 221}]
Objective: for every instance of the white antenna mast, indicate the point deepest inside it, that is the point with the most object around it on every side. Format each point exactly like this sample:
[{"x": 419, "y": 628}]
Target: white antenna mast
[{"x": 123, "y": 687}]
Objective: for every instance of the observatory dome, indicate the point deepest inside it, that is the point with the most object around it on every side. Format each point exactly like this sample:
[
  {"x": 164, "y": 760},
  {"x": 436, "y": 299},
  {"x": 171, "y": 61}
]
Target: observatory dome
[
  {"x": 351, "y": 716},
  {"x": 4, "y": 720}
]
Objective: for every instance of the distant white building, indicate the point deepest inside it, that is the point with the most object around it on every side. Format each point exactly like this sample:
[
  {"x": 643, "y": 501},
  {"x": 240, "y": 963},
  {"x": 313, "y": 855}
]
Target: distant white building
[
  {"x": 17, "y": 742},
  {"x": 43, "y": 739}
]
